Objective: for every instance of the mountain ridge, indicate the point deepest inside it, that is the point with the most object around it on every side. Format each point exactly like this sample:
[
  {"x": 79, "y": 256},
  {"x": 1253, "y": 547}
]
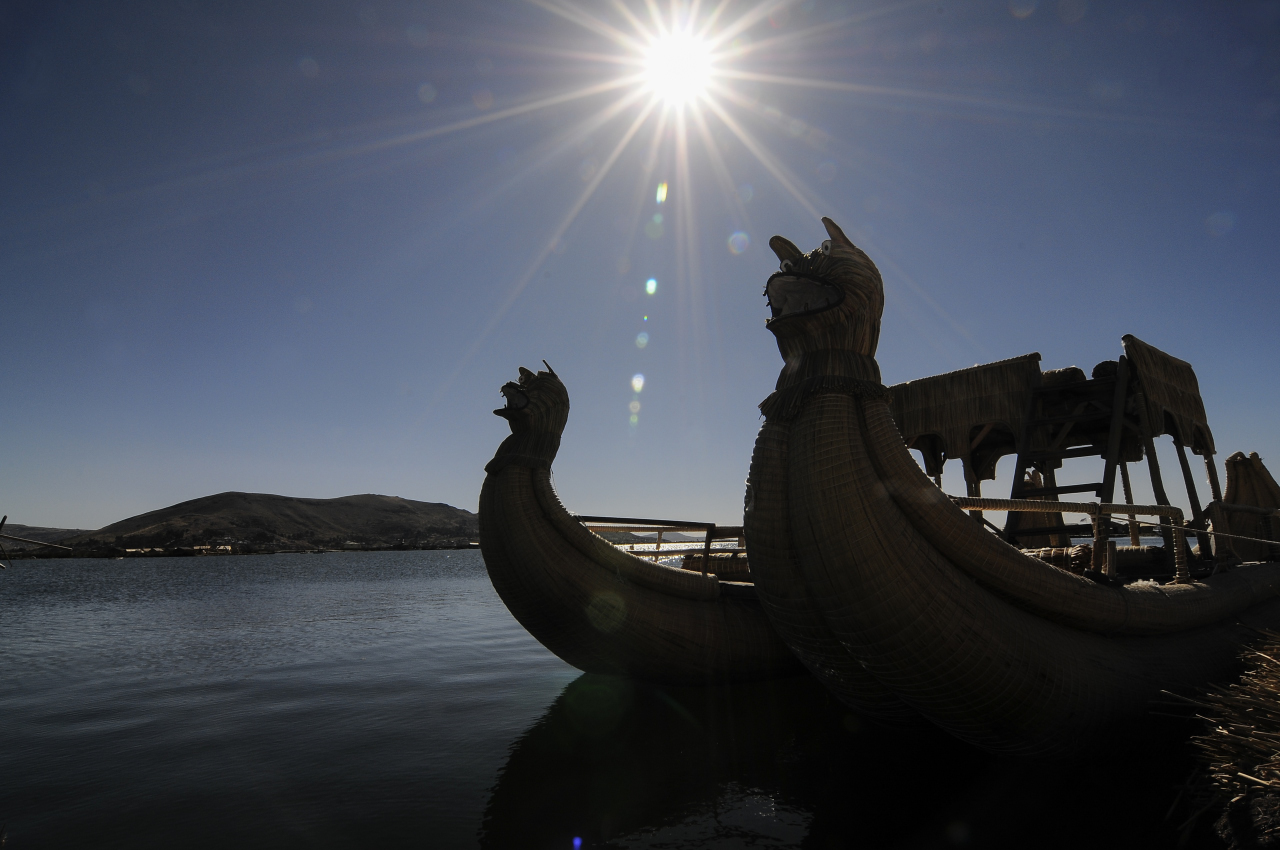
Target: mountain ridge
[{"x": 244, "y": 520}]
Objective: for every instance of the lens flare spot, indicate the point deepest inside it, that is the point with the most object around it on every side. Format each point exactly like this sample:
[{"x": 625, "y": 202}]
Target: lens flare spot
[
  {"x": 746, "y": 193},
  {"x": 739, "y": 242},
  {"x": 637, "y": 382},
  {"x": 662, "y": 193},
  {"x": 634, "y": 407},
  {"x": 606, "y": 611},
  {"x": 577, "y": 843},
  {"x": 635, "y": 420},
  {"x": 1022, "y": 9},
  {"x": 482, "y": 99},
  {"x": 642, "y": 340},
  {"x": 427, "y": 93},
  {"x": 650, "y": 286}
]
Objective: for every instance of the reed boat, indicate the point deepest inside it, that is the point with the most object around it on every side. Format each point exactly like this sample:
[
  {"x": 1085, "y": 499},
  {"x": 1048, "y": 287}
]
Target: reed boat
[
  {"x": 598, "y": 607},
  {"x": 905, "y": 600}
]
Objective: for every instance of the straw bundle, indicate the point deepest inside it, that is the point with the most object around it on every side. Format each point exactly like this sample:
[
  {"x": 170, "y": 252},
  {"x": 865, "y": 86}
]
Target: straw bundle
[
  {"x": 1241, "y": 750},
  {"x": 897, "y": 599},
  {"x": 597, "y": 607}
]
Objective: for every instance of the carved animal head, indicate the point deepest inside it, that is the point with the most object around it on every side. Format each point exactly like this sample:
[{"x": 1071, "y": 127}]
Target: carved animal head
[
  {"x": 536, "y": 403},
  {"x": 830, "y": 298}
]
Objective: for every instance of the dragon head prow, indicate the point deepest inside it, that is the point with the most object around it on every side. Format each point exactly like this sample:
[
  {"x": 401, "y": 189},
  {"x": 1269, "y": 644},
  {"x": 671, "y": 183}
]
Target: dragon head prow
[
  {"x": 536, "y": 402},
  {"x": 830, "y": 298}
]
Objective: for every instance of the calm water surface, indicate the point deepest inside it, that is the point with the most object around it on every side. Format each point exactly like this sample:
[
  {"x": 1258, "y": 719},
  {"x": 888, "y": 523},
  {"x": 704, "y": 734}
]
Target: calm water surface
[{"x": 389, "y": 699}]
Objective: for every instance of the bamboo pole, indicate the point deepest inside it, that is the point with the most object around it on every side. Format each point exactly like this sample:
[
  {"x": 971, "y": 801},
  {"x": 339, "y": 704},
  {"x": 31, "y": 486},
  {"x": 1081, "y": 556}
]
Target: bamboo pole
[
  {"x": 1134, "y": 538},
  {"x": 1153, "y": 464},
  {"x": 1197, "y": 513}
]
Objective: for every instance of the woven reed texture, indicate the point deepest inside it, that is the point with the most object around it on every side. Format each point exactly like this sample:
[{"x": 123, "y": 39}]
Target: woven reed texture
[
  {"x": 782, "y": 590},
  {"x": 1051, "y": 593},
  {"x": 1250, "y": 483},
  {"x": 597, "y": 607},
  {"x": 853, "y": 546},
  {"x": 952, "y": 405},
  {"x": 851, "y": 326},
  {"x": 1170, "y": 387},
  {"x": 978, "y": 664},
  {"x": 1073, "y": 559}
]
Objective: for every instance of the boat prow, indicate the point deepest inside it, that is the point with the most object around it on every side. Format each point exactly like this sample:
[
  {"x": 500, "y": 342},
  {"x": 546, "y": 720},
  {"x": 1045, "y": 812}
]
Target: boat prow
[
  {"x": 864, "y": 563},
  {"x": 599, "y": 608}
]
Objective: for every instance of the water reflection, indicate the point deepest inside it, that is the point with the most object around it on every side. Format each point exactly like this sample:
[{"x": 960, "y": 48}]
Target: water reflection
[{"x": 622, "y": 764}]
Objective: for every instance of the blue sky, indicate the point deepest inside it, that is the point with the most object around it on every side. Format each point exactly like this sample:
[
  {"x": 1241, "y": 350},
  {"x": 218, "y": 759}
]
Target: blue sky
[{"x": 297, "y": 247}]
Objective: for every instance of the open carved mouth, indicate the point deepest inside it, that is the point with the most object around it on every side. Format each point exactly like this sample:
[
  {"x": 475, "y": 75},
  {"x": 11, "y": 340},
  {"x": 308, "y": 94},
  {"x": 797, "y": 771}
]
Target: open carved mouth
[
  {"x": 515, "y": 397},
  {"x": 791, "y": 296}
]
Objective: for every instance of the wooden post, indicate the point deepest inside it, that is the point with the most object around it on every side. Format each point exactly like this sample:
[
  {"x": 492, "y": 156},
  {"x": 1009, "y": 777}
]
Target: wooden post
[
  {"x": 1134, "y": 539},
  {"x": 1111, "y": 559},
  {"x": 1197, "y": 513},
  {"x": 1153, "y": 464},
  {"x": 1181, "y": 573},
  {"x": 706, "y": 549},
  {"x": 659, "y": 546},
  {"x": 1214, "y": 487},
  {"x": 1098, "y": 561},
  {"x": 972, "y": 485},
  {"x": 1116, "y": 432}
]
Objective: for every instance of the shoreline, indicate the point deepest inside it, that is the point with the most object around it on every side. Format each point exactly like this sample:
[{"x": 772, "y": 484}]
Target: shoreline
[{"x": 117, "y": 553}]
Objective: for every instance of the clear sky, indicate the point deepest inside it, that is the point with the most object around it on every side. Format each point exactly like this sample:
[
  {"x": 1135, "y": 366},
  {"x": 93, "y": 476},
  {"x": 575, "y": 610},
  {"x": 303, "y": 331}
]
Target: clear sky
[{"x": 297, "y": 247}]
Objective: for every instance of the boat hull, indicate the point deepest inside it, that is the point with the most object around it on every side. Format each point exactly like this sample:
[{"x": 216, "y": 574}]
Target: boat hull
[
  {"x": 998, "y": 648},
  {"x": 605, "y": 611}
]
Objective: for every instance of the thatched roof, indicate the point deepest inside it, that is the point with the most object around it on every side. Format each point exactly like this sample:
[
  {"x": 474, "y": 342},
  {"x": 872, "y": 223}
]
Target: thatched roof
[
  {"x": 1250, "y": 483},
  {"x": 1172, "y": 392},
  {"x": 942, "y": 411}
]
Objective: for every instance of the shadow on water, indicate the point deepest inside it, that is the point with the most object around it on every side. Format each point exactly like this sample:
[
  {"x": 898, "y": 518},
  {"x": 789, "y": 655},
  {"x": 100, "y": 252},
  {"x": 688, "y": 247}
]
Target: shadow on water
[{"x": 780, "y": 764}]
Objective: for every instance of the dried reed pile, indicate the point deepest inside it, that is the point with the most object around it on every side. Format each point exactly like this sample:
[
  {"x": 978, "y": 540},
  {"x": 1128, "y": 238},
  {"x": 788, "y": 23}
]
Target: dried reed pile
[{"x": 1241, "y": 750}]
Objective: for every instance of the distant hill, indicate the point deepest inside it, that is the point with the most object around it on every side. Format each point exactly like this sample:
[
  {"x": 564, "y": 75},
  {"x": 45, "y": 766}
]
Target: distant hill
[
  {"x": 36, "y": 532},
  {"x": 259, "y": 520}
]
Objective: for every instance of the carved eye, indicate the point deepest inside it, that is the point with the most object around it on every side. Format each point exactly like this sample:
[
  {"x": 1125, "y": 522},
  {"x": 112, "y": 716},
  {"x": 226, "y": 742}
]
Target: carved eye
[
  {"x": 785, "y": 266},
  {"x": 826, "y": 247}
]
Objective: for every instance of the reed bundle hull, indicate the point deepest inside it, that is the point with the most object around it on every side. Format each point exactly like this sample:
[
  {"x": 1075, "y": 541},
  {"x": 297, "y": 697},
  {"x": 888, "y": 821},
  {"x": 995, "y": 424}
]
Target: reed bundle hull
[
  {"x": 599, "y": 608},
  {"x": 901, "y": 602}
]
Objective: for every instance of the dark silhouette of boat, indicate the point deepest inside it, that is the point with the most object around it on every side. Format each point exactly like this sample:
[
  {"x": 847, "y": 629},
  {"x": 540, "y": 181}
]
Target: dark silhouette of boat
[
  {"x": 602, "y": 609},
  {"x": 900, "y": 601}
]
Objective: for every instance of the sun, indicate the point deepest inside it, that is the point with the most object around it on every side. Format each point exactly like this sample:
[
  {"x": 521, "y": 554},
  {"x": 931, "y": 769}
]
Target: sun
[{"x": 677, "y": 67}]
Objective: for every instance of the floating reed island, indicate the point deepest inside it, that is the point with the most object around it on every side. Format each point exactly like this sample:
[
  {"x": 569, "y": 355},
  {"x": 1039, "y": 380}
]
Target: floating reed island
[
  {"x": 906, "y": 601},
  {"x": 600, "y": 608}
]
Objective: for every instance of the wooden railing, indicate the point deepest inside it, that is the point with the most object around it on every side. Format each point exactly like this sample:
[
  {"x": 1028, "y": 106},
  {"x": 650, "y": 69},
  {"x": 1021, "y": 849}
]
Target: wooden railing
[
  {"x": 710, "y": 530},
  {"x": 1099, "y": 513}
]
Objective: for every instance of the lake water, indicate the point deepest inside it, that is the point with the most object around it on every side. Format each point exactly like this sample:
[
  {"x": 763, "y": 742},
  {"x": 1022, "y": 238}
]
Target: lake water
[{"x": 389, "y": 699}]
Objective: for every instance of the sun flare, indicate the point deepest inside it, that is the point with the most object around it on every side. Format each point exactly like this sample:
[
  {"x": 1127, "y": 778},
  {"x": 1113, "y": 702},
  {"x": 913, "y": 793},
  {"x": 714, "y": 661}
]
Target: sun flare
[{"x": 678, "y": 67}]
